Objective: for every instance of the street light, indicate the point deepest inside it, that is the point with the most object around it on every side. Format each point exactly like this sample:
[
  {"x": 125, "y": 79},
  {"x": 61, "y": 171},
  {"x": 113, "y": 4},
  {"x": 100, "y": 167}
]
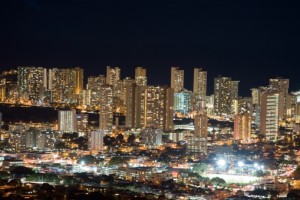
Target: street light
[
  {"x": 240, "y": 163},
  {"x": 221, "y": 162}
]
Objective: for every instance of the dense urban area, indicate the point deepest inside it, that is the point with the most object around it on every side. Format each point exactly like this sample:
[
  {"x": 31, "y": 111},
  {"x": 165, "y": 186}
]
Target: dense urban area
[{"x": 115, "y": 138}]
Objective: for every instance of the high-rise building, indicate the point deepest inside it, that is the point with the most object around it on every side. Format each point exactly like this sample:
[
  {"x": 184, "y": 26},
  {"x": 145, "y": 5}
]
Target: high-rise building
[
  {"x": 32, "y": 83},
  {"x": 85, "y": 98},
  {"x": 82, "y": 122},
  {"x": 177, "y": 79},
  {"x": 151, "y": 136},
  {"x": 9, "y": 86},
  {"x": 106, "y": 108},
  {"x": 96, "y": 141},
  {"x": 112, "y": 75},
  {"x": 141, "y": 76},
  {"x": 94, "y": 85},
  {"x": 130, "y": 102},
  {"x": 222, "y": 95},
  {"x": 242, "y": 127},
  {"x": 2, "y": 89},
  {"x": 183, "y": 101},
  {"x": 67, "y": 121},
  {"x": 234, "y": 90},
  {"x": 78, "y": 80},
  {"x": 31, "y": 136},
  {"x": 65, "y": 84},
  {"x": 269, "y": 114},
  {"x": 158, "y": 107},
  {"x": 200, "y": 82},
  {"x": 282, "y": 85},
  {"x": 198, "y": 142}
]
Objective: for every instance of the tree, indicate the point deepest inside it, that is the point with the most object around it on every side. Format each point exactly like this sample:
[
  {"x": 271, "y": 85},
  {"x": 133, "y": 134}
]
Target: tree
[
  {"x": 87, "y": 160},
  {"x": 59, "y": 145},
  {"x": 118, "y": 160},
  {"x": 218, "y": 181},
  {"x": 296, "y": 173},
  {"x": 20, "y": 171},
  {"x": 4, "y": 175},
  {"x": 108, "y": 141},
  {"x": 200, "y": 168},
  {"x": 260, "y": 173},
  {"x": 120, "y": 138},
  {"x": 131, "y": 138}
]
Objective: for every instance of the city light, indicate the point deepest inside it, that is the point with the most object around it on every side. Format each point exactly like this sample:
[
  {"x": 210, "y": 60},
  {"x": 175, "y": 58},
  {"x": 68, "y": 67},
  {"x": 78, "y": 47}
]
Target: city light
[
  {"x": 221, "y": 162},
  {"x": 240, "y": 163}
]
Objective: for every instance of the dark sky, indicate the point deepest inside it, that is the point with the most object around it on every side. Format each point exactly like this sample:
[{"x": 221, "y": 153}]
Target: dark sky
[{"x": 248, "y": 40}]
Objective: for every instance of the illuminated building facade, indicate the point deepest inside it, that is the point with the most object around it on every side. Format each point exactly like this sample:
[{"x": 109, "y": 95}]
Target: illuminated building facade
[
  {"x": 105, "y": 107},
  {"x": 65, "y": 84},
  {"x": 2, "y": 89},
  {"x": 85, "y": 98},
  {"x": 242, "y": 127},
  {"x": 177, "y": 79},
  {"x": 141, "y": 76},
  {"x": 282, "y": 85},
  {"x": 9, "y": 86},
  {"x": 200, "y": 82},
  {"x": 130, "y": 102},
  {"x": 113, "y": 75},
  {"x": 96, "y": 141},
  {"x": 222, "y": 95},
  {"x": 67, "y": 121},
  {"x": 32, "y": 83},
  {"x": 269, "y": 114},
  {"x": 197, "y": 143},
  {"x": 183, "y": 101},
  {"x": 151, "y": 136},
  {"x": 94, "y": 85},
  {"x": 158, "y": 109},
  {"x": 82, "y": 122}
]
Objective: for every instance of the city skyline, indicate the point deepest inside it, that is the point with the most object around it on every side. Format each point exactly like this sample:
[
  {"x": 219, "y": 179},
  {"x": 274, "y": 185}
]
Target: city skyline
[{"x": 229, "y": 38}]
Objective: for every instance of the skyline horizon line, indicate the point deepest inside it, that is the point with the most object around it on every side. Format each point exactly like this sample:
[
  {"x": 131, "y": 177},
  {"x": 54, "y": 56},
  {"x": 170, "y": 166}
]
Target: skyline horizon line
[{"x": 188, "y": 83}]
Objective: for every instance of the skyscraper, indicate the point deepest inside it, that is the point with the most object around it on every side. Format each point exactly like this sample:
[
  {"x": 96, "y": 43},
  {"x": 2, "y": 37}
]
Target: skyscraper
[
  {"x": 141, "y": 76},
  {"x": 130, "y": 102},
  {"x": 2, "y": 89},
  {"x": 222, "y": 95},
  {"x": 183, "y": 101},
  {"x": 32, "y": 82},
  {"x": 200, "y": 82},
  {"x": 105, "y": 108},
  {"x": 112, "y": 75},
  {"x": 282, "y": 85},
  {"x": 235, "y": 90},
  {"x": 242, "y": 127},
  {"x": 96, "y": 143},
  {"x": 94, "y": 85},
  {"x": 269, "y": 114},
  {"x": 158, "y": 108},
  {"x": 65, "y": 84},
  {"x": 82, "y": 122},
  {"x": 67, "y": 121},
  {"x": 200, "y": 134},
  {"x": 177, "y": 79}
]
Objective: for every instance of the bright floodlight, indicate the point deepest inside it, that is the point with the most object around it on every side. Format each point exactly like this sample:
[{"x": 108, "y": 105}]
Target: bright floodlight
[
  {"x": 240, "y": 163},
  {"x": 221, "y": 162},
  {"x": 82, "y": 162},
  {"x": 255, "y": 165}
]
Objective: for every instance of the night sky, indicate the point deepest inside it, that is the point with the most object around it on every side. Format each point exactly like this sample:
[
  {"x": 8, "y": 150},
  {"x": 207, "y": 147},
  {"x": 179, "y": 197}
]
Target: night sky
[{"x": 249, "y": 40}]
